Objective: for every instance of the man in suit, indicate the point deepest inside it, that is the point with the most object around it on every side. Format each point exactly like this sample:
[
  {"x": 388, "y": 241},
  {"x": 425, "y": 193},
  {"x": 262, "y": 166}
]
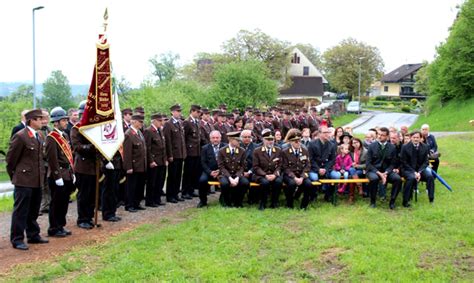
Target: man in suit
[
  {"x": 231, "y": 161},
  {"x": 135, "y": 163},
  {"x": 85, "y": 155},
  {"x": 296, "y": 165},
  {"x": 60, "y": 173},
  {"x": 267, "y": 170},
  {"x": 414, "y": 158},
  {"x": 21, "y": 125},
  {"x": 176, "y": 153},
  {"x": 220, "y": 126},
  {"x": 430, "y": 140},
  {"x": 322, "y": 153},
  {"x": 380, "y": 163},
  {"x": 26, "y": 170},
  {"x": 73, "y": 115},
  {"x": 210, "y": 169},
  {"x": 157, "y": 161},
  {"x": 206, "y": 126},
  {"x": 249, "y": 146},
  {"x": 192, "y": 163}
]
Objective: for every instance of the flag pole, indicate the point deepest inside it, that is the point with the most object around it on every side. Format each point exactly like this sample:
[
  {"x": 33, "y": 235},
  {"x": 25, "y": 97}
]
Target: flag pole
[{"x": 97, "y": 179}]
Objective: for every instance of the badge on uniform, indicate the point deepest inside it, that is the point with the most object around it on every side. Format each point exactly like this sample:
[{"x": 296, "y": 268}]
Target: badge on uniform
[
  {"x": 303, "y": 157},
  {"x": 276, "y": 160}
]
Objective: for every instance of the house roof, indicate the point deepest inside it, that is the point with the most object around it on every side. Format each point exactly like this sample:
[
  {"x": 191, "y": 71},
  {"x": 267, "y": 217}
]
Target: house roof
[
  {"x": 401, "y": 72},
  {"x": 306, "y": 62},
  {"x": 304, "y": 86}
]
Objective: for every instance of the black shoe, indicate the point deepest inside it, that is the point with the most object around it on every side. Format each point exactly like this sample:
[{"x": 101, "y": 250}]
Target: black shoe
[
  {"x": 172, "y": 200},
  {"x": 151, "y": 205},
  {"x": 20, "y": 246},
  {"x": 186, "y": 196},
  {"x": 372, "y": 205},
  {"x": 162, "y": 193},
  {"x": 139, "y": 207},
  {"x": 391, "y": 206},
  {"x": 201, "y": 204},
  {"x": 160, "y": 203},
  {"x": 211, "y": 192},
  {"x": 58, "y": 234},
  {"x": 85, "y": 225},
  {"x": 120, "y": 203},
  {"x": 38, "y": 240},
  {"x": 179, "y": 199},
  {"x": 131, "y": 209},
  {"x": 67, "y": 231},
  {"x": 194, "y": 195},
  {"x": 261, "y": 207},
  {"x": 406, "y": 204},
  {"x": 113, "y": 219}
]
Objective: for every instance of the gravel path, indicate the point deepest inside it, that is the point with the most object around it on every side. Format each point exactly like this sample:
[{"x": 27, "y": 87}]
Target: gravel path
[{"x": 57, "y": 246}]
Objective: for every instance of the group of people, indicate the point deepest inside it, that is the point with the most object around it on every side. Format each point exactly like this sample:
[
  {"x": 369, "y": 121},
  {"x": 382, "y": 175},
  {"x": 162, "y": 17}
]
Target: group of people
[{"x": 280, "y": 150}]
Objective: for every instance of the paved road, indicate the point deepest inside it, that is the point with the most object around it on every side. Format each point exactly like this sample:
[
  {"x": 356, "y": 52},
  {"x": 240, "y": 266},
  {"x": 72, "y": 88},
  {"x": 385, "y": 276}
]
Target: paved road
[{"x": 372, "y": 119}]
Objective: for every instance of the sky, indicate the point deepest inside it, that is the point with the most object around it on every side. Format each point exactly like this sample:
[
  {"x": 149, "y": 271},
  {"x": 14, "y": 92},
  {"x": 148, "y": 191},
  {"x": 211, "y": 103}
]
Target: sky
[{"x": 404, "y": 31}]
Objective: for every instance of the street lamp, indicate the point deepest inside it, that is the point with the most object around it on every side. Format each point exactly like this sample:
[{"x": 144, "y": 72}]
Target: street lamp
[
  {"x": 360, "y": 59},
  {"x": 34, "y": 67}
]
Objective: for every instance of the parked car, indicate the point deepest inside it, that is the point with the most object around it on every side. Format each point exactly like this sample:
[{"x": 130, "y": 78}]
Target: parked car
[
  {"x": 354, "y": 107},
  {"x": 341, "y": 96}
]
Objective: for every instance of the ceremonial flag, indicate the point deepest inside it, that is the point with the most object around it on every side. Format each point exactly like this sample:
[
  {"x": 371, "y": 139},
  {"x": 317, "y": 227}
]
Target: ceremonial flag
[{"x": 101, "y": 122}]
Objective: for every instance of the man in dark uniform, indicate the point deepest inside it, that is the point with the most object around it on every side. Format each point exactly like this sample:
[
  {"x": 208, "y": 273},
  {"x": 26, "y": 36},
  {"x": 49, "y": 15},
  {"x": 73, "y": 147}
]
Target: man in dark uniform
[
  {"x": 231, "y": 162},
  {"x": 21, "y": 125},
  {"x": 414, "y": 157},
  {"x": 113, "y": 173},
  {"x": 192, "y": 163},
  {"x": 157, "y": 161},
  {"x": 248, "y": 115},
  {"x": 266, "y": 170},
  {"x": 295, "y": 122},
  {"x": 60, "y": 173},
  {"x": 210, "y": 170},
  {"x": 303, "y": 119},
  {"x": 249, "y": 146},
  {"x": 258, "y": 126},
  {"x": 26, "y": 170},
  {"x": 135, "y": 163},
  {"x": 127, "y": 117},
  {"x": 219, "y": 125},
  {"x": 268, "y": 122},
  {"x": 285, "y": 124},
  {"x": 276, "y": 121},
  {"x": 296, "y": 166},
  {"x": 176, "y": 153},
  {"x": 85, "y": 155},
  {"x": 313, "y": 120},
  {"x": 206, "y": 126},
  {"x": 381, "y": 158},
  {"x": 126, "y": 120}
]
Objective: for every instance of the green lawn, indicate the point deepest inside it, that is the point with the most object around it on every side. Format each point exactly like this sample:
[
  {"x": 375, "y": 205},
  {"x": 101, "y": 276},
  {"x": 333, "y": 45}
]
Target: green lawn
[
  {"x": 430, "y": 243},
  {"x": 455, "y": 116},
  {"x": 343, "y": 120},
  {"x": 6, "y": 203}
]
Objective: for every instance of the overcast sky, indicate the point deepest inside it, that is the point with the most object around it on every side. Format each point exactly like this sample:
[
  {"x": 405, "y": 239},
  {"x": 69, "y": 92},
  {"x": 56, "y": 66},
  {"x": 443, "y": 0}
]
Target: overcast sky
[{"x": 405, "y": 31}]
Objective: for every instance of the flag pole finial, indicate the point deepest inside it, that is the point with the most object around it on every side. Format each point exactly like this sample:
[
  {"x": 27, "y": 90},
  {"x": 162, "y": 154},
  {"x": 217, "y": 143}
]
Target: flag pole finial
[{"x": 106, "y": 18}]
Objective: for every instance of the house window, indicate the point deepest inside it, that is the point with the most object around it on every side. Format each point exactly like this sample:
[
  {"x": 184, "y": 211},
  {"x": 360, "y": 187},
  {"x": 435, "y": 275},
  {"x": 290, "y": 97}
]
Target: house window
[
  {"x": 305, "y": 71},
  {"x": 385, "y": 88},
  {"x": 295, "y": 59}
]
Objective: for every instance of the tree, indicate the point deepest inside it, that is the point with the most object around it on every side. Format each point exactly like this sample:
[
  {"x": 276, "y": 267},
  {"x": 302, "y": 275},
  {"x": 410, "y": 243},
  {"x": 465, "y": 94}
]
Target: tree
[
  {"x": 122, "y": 86},
  {"x": 256, "y": 45},
  {"x": 312, "y": 53},
  {"x": 341, "y": 66},
  {"x": 239, "y": 84},
  {"x": 56, "y": 91},
  {"x": 165, "y": 66},
  {"x": 22, "y": 92},
  {"x": 421, "y": 80},
  {"x": 452, "y": 72},
  {"x": 203, "y": 66}
]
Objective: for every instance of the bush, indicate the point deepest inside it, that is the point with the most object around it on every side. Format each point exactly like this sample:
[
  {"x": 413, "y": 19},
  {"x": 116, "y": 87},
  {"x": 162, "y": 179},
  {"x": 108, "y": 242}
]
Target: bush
[
  {"x": 406, "y": 108},
  {"x": 396, "y": 99},
  {"x": 381, "y": 98},
  {"x": 414, "y": 101}
]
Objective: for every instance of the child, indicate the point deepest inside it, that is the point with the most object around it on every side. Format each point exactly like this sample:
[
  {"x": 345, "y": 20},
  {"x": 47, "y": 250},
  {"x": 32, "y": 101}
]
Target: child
[{"x": 343, "y": 165}]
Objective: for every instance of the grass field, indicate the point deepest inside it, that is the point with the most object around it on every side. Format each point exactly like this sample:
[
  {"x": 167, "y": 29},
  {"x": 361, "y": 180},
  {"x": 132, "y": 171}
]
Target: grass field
[
  {"x": 344, "y": 120},
  {"x": 325, "y": 243},
  {"x": 6, "y": 203},
  {"x": 455, "y": 116}
]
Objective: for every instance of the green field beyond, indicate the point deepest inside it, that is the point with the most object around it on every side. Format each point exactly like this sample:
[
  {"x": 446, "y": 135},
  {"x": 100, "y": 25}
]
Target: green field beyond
[{"x": 345, "y": 243}]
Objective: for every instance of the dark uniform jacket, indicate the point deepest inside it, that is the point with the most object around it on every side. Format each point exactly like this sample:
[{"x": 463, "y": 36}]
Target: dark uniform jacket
[
  {"x": 303, "y": 122},
  {"x": 222, "y": 129},
  {"x": 313, "y": 124},
  {"x": 414, "y": 160},
  {"x": 155, "y": 146},
  {"x": 285, "y": 127},
  {"x": 84, "y": 153},
  {"x": 192, "y": 137},
  {"x": 17, "y": 128},
  {"x": 174, "y": 137},
  {"x": 276, "y": 123},
  {"x": 258, "y": 127},
  {"x": 295, "y": 165},
  {"x": 381, "y": 160},
  {"x": 231, "y": 165},
  {"x": 25, "y": 160},
  {"x": 59, "y": 166},
  {"x": 248, "y": 155},
  {"x": 134, "y": 152},
  {"x": 209, "y": 158},
  {"x": 322, "y": 155},
  {"x": 206, "y": 129},
  {"x": 264, "y": 164}
]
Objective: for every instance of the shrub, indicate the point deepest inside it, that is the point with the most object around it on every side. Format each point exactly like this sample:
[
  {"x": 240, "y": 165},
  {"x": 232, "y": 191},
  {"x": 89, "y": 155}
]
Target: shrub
[
  {"x": 406, "y": 108},
  {"x": 414, "y": 101},
  {"x": 396, "y": 99},
  {"x": 381, "y": 98}
]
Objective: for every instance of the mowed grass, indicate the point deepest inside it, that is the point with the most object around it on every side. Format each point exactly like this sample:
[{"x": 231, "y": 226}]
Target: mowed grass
[
  {"x": 344, "y": 119},
  {"x": 6, "y": 203},
  {"x": 325, "y": 243},
  {"x": 454, "y": 116}
]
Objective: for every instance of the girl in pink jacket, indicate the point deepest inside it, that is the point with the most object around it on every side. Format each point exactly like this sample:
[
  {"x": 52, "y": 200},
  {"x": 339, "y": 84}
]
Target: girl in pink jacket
[{"x": 343, "y": 165}]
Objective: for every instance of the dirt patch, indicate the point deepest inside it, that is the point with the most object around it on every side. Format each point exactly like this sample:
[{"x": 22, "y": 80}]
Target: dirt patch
[
  {"x": 465, "y": 263},
  {"x": 168, "y": 214},
  {"x": 428, "y": 261},
  {"x": 331, "y": 265}
]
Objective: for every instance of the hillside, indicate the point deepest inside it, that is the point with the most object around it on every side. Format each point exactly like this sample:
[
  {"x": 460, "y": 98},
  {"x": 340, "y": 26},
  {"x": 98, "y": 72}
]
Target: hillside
[
  {"x": 454, "y": 116},
  {"x": 7, "y": 88}
]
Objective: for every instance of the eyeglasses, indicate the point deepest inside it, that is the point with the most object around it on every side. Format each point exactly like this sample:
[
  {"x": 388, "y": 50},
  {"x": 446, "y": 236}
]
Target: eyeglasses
[
  {"x": 246, "y": 137},
  {"x": 326, "y": 132}
]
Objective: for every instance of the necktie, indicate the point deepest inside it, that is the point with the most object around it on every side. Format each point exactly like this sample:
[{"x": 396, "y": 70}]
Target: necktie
[
  {"x": 216, "y": 150},
  {"x": 140, "y": 135},
  {"x": 296, "y": 153},
  {"x": 37, "y": 137},
  {"x": 232, "y": 152},
  {"x": 269, "y": 152}
]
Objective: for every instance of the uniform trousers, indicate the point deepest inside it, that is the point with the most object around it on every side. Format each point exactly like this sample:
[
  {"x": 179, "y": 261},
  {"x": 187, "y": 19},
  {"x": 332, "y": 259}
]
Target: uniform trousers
[
  {"x": 173, "y": 182},
  {"x": 233, "y": 195},
  {"x": 154, "y": 185},
  {"x": 27, "y": 202},
  {"x": 59, "y": 204},
  {"x": 191, "y": 174},
  {"x": 85, "y": 197}
]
